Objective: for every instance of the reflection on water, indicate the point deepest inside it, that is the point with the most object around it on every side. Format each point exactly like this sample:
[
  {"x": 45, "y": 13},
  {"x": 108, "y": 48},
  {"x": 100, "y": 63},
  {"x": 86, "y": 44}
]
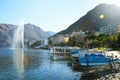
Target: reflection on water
[
  {"x": 18, "y": 60},
  {"x": 33, "y": 65}
]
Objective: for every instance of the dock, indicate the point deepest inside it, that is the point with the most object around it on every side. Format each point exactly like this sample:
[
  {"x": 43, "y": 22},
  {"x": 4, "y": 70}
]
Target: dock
[
  {"x": 58, "y": 50},
  {"x": 60, "y": 53}
]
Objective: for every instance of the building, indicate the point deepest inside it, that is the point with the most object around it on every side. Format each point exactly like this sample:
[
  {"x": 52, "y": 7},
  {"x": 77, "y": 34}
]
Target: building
[
  {"x": 66, "y": 39},
  {"x": 44, "y": 42},
  {"x": 111, "y": 29}
]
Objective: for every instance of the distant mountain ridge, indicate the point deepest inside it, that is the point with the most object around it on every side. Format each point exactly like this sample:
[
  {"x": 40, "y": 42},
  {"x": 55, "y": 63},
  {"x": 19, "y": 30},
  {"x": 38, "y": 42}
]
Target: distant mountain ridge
[
  {"x": 92, "y": 22},
  {"x": 6, "y": 33},
  {"x": 49, "y": 33},
  {"x": 31, "y": 32}
]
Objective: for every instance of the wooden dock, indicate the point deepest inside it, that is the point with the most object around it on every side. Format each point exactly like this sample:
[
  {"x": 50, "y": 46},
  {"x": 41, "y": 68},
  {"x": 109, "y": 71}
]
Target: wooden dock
[{"x": 60, "y": 53}]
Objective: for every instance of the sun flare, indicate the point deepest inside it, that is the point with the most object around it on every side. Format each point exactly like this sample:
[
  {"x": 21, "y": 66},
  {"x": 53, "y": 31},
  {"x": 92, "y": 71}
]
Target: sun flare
[{"x": 101, "y": 16}]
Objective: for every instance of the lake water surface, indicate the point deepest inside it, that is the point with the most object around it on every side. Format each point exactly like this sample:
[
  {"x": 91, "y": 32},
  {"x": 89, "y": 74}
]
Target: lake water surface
[{"x": 29, "y": 64}]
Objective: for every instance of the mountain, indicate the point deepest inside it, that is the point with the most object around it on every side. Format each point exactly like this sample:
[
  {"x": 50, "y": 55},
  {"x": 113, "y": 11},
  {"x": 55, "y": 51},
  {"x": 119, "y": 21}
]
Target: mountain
[
  {"x": 92, "y": 22},
  {"x": 31, "y": 32},
  {"x": 6, "y": 34},
  {"x": 49, "y": 33}
]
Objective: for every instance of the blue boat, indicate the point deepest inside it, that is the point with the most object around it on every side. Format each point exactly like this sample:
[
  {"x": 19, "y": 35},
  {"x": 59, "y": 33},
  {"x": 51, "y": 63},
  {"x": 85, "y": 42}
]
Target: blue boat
[{"x": 96, "y": 59}]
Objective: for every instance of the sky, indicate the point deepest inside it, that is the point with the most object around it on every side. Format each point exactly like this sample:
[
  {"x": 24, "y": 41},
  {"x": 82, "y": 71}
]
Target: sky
[{"x": 49, "y": 15}]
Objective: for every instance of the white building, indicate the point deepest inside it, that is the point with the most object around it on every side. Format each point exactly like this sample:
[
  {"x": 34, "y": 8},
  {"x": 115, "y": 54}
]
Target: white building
[
  {"x": 110, "y": 29},
  {"x": 44, "y": 42}
]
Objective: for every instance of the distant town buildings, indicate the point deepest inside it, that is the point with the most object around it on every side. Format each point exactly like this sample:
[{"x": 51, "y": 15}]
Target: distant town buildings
[
  {"x": 77, "y": 33},
  {"x": 58, "y": 39},
  {"x": 111, "y": 29},
  {"x": 65, "y": 38}
]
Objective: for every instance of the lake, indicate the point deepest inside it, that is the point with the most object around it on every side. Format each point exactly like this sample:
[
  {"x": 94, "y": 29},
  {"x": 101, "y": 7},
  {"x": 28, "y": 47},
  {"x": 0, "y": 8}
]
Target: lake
[{"x": 30, "y": 64}]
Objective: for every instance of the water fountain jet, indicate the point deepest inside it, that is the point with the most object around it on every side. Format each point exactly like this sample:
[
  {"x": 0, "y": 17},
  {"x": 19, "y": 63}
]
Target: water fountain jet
[{"x": 18, "y": 38}]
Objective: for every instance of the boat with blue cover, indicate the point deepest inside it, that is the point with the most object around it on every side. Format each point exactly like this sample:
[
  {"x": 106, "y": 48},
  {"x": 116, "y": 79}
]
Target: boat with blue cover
[{"x": 96, "y": 59}]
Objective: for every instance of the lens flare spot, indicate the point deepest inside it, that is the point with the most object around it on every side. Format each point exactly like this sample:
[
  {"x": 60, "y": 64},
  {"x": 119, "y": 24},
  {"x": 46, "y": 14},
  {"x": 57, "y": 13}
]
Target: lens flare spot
[{"x": 102, "y": 16}]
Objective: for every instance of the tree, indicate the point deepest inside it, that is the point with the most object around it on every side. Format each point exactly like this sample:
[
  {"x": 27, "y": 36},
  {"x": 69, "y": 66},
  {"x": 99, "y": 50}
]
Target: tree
[
  {"x": 118, "y": 41},
  {"x": 37, "y": 43},
  {"x": 76, "y": 40}
]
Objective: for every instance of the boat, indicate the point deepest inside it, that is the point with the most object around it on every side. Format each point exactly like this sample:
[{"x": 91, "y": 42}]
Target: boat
[
  {"x": 75, "y": 53},
  {"x": 94, "y": 59}
]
